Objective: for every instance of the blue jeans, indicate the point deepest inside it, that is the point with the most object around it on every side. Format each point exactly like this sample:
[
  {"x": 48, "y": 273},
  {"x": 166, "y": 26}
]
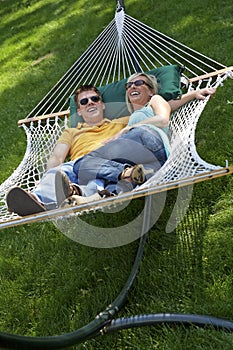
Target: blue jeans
[
  {"x": 141, "y": 145},
  {"x": 46, "y": 193}
]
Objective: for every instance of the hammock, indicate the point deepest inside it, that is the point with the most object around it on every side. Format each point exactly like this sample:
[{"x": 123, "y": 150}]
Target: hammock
[{"x": 125, "y": 46}]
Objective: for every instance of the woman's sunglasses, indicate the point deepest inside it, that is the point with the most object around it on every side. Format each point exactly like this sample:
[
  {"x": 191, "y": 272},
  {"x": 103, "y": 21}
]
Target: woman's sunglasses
[
  {"x": 136, "y": 83},
  {"x": 94, "y": 98}
]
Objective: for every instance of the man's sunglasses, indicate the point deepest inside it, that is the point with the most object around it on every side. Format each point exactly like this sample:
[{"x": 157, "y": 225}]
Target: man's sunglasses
[
  {"x": 136, "y": 83},
  {"x": 94, "y": 98}
]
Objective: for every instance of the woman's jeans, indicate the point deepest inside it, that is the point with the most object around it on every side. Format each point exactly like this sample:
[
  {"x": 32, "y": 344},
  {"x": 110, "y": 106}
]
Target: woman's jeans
[{"x": 140, "y": 145}]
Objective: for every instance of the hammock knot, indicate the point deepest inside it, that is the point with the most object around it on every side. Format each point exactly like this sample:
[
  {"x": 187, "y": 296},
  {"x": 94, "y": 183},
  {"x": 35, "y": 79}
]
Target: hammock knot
[
  {"x": 119, "y": 18},
  {"x": 120, "y": 6}
]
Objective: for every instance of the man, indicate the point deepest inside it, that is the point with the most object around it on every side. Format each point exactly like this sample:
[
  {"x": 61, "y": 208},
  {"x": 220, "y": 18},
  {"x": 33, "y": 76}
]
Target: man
[{"x": 74, "y": 142}]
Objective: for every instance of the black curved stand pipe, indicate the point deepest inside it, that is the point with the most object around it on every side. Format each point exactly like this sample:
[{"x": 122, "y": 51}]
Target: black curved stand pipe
[
  {"x": 171, "y": 320},
  {"x": 104, "y": 323}
]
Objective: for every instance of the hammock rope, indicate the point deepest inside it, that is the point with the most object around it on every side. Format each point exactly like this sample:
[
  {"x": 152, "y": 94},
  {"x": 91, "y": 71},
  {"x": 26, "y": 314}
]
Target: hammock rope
[{"x": 125, "y": 46}]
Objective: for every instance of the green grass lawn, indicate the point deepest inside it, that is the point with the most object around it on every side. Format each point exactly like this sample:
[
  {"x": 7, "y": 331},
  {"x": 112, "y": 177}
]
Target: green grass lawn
[{"x": 50, "y": 284}]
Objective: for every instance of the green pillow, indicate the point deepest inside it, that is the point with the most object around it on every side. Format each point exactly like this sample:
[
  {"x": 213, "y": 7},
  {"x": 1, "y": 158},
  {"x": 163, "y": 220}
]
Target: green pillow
[{"x": 113, "y": 94}]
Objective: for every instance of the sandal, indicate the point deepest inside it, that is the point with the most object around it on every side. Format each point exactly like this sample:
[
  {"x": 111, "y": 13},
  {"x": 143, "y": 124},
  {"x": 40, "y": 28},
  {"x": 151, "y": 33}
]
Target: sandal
[
  {"x": 135, "y": 174},
  {"x": 64, "y": 187},
  {"x": 79, "y": 200},
  {"x": 22, "y": 202}
]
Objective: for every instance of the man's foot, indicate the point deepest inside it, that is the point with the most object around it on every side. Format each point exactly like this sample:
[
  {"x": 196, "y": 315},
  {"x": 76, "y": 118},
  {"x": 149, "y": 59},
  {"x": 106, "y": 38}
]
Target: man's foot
[
  {"x": 78, "y": 200},
  {"x": 64, "y": 188},
  {"x": 135, "y": 174},
  {"x": 22, "y": 202}
]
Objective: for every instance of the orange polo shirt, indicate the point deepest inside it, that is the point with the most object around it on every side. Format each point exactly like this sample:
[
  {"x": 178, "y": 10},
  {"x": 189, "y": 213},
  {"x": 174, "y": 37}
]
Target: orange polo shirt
[{"x": 84, "y": 138}]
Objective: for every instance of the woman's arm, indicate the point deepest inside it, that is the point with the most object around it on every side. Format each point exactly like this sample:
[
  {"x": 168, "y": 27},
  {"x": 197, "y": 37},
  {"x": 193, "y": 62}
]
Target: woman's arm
[
  {"x": 162, "y": 111},
  {"x": 195, "y": 94}
]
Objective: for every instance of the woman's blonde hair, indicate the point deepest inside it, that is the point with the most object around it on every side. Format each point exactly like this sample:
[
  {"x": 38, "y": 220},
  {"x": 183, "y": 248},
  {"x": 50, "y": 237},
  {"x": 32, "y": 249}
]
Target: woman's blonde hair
[{"x": 151, "y": 81}]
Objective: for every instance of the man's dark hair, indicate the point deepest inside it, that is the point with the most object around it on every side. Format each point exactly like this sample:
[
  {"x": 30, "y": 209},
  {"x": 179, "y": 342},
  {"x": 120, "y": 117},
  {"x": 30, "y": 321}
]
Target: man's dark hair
[{"x": 82, "y": 88}]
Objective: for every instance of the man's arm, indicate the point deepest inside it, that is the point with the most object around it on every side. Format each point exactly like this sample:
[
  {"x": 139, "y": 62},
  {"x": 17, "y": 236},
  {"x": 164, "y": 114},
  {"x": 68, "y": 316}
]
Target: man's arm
[
  {"x": 59, "y": 155},
  {"x": 195, "y": 94}
]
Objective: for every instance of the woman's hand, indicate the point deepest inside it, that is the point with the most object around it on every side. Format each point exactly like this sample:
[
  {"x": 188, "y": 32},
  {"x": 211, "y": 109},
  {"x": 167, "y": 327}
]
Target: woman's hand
[{"x": 202, "y": 93}]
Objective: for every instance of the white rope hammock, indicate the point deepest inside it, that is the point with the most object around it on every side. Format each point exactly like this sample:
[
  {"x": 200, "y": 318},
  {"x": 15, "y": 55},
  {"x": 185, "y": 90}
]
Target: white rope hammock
[{"x": 124, "y": 47}]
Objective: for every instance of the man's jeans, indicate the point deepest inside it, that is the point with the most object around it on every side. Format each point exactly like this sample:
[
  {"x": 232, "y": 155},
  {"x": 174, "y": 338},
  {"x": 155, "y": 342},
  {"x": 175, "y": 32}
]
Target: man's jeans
[{"x": 46, "y": 193}]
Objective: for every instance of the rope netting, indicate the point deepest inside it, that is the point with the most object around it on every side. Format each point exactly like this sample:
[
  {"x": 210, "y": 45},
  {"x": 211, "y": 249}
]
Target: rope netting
[
  {"x": 125, "y": 46},
  {"x": 41, "y": 139},
  {"x": 184, "y": 161}
]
